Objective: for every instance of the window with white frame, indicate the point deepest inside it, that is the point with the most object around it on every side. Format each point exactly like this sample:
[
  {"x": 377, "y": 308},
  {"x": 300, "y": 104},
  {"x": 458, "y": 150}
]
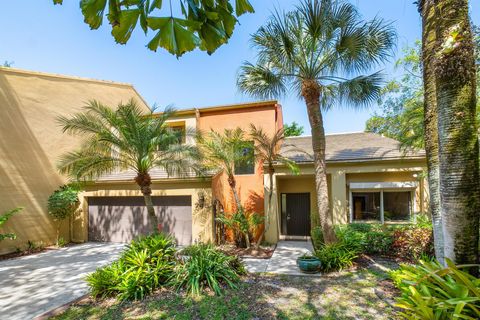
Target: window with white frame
[{"x": 381, "y": 202}]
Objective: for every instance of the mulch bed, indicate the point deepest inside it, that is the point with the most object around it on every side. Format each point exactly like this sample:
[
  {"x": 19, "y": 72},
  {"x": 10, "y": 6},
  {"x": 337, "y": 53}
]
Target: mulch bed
[
  {"x": 15, "y": 255},
  {"x": 259, "y": 253}
]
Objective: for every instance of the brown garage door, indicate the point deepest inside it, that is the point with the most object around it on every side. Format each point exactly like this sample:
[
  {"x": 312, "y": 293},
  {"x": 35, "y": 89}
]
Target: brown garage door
[{"x": 120, "y": 219}]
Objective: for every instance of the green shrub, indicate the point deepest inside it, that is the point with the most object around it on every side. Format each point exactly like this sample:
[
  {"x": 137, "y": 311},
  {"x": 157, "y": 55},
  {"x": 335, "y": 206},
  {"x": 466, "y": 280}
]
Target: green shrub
[
  {"x": 367, "y": 238},
  {"x": 431, "y": 291},
  {"x": 3, "y": 219},
  {"x": 336, "y": 256},
  {"x": 63, "y": 202},
  {"x": 243, "y": 224},
  {"x": 146, "y": 264},
  {"x": 317, "y": 237},
  {"x": 378, "y": 242},
  {"x": 207, "y": 267}
]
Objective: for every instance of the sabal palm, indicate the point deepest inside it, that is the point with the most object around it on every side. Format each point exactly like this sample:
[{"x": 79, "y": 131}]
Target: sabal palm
[
  {"x": 320, "y": 51},
  {"x": 267, "y": 151},
  {"x": 220, "y": 151},
  {"x": 125, "y": 139}
]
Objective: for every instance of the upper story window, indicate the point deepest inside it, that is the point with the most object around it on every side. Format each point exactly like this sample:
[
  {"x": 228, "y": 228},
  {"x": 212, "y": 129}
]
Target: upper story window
[
  {"x": 180, "y": 132},
  {"x": 246, "y": 163}
]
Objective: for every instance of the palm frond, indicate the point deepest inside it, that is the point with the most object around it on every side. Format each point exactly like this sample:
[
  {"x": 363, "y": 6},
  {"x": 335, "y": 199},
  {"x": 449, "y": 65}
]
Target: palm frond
[{"x": 261, "y": 81}]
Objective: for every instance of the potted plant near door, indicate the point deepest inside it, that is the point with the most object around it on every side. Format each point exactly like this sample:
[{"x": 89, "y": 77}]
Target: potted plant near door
[{"x": 308, "y": 263}]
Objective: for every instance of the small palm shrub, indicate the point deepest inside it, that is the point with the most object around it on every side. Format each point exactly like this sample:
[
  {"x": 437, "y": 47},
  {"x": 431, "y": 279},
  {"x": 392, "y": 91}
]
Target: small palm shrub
[
  {"x": 146, "y": 264},
  {"x": 431, "y": 291},
  {"x": 207, "y": 267},
  {"x": 242, "y": 224},
  {"x": 336, "y": 256}
]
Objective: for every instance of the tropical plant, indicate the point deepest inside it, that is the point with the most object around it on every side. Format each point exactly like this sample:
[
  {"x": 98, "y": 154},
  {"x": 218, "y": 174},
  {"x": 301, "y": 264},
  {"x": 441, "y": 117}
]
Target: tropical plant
[
  {"x": 4, "y": 218},
  {"x": 293, "y": 129},
  {"x": 243, "y": 224},
  {"x": 451, "y": 129},
  {"x": 207, "y": 267},
  {"x": 62, "y": 204},
  {"x": 126, "y": 139},
  {"x": 432, "y": 291},
  {"x": 206, "y": 24},
  {"x": 220, "y": 151},
  {"x": 412, "y": 243},
  {"x": 336, "y": 256},
  {"x": 313, "y": 50},
  {"x": 146, "y": 264},
  {"x": 267, "y": 151}
]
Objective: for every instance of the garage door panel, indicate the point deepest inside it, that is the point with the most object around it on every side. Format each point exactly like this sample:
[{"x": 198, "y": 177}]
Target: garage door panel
[{"x": 120, "y": 219}]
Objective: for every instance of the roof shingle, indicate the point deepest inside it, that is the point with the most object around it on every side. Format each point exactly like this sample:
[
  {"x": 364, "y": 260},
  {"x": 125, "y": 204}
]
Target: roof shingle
[{"x": 358, "y": 146}]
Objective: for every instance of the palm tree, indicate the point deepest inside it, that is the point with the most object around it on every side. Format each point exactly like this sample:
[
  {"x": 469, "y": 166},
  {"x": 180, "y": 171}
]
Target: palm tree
[
  {"x": 125, "y": 139},
  {"x": 455, "y": 99},
  {"x": 430, "y": 121},
  {"x": 267, "y": 151},
  {"x": 220, "y": 151},
  {"x": 313, "y": 50}
]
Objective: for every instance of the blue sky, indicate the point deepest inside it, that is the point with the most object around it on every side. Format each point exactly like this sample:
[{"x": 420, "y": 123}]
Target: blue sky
[{"x": 39, "y": 36}]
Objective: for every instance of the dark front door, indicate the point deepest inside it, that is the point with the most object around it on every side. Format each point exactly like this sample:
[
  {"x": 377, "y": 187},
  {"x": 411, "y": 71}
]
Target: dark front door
[{"x": 296, "y": 214}]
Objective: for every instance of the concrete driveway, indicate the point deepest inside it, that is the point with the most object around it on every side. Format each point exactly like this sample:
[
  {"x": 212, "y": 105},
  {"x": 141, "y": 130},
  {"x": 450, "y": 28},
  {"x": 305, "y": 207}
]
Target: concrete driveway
[{"x": 35, "y": 284}]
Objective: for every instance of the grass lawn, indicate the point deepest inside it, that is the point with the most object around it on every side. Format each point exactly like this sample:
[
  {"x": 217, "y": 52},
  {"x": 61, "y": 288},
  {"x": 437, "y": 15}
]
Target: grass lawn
[{"x": 352, "y": 294}]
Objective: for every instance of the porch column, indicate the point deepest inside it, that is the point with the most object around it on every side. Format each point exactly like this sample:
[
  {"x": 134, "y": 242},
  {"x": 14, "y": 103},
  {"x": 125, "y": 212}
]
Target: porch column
[
  {"x": 339, "y": 197},
  {"x": 271, "y": 210}
]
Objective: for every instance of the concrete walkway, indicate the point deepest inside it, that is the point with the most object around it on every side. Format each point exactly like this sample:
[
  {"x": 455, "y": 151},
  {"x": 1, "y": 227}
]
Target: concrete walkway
[
  {"x": 35, "y": 284},
  {"x": 283, "y": 260}
]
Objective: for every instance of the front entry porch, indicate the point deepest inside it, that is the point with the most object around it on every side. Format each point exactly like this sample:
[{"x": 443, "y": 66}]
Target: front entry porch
[{"x": 355, "y": 194}]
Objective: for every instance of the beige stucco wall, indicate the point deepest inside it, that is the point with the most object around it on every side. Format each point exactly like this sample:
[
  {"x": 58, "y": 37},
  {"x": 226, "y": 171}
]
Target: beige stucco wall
[
  {"x": 339, "y": 176},
  {"x": 32, "y": 141},
  {"x": 202, "y": 218}
]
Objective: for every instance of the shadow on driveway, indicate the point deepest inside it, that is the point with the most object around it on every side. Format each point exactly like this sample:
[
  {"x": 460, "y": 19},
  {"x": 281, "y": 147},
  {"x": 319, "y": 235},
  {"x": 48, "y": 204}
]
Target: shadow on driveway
[{"x": 33, "y": 285}]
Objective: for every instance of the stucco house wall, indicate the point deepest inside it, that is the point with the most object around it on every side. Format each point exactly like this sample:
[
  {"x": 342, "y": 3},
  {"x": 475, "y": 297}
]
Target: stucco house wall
[{"x": 32, "y": 142}]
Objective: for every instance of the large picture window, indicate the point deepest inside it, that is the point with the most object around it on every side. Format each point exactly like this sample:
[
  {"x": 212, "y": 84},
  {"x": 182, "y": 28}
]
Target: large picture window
[
  {"x": 246, "y": 162},
  {"x": 381, "y": 206}
]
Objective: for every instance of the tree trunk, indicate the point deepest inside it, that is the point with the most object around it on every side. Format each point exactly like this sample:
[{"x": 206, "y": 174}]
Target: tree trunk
[
  {"x": 428, "y": 12},
  {"x": 458, "y": 140},
  {"x": 311, "y": 94},
  {"x": 232, "y": 183},
  {"x": 144, "y": 182},
  {"x": 266, "y": 224}
]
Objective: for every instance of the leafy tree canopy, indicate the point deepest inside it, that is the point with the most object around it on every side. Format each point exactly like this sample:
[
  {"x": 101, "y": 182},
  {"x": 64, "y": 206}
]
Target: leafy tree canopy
[
  {"x": 401, "y": 102},
  {"x": 293, "y": 129},
  {"x": 204, "y": 24}
]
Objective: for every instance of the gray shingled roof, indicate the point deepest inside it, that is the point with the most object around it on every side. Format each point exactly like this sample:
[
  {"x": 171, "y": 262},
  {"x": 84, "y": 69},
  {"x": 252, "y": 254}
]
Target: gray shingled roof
[
  {"x": 155, "y": 174},
  {"x": 359, "y": 146}
]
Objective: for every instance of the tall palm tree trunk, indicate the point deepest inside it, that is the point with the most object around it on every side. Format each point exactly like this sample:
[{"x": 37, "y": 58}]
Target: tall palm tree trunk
[
  {"x": 233, "y": 185},
  {"x": 266, "y": 224},
  {"x": 144, "y": 182},
  {"x": 457, "y": 128},
  {"x": 429, "y": 38},
  {"x": 311, "y": 94}
]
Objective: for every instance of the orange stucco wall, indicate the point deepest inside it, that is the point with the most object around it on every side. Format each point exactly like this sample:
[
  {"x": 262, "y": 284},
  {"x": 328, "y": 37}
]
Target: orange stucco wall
[{"x": 250, "y": 187}]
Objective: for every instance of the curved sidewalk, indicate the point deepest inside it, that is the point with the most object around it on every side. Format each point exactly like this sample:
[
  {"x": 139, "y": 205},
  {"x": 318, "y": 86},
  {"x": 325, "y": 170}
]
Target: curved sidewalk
[{"x": 283, "y": 260}]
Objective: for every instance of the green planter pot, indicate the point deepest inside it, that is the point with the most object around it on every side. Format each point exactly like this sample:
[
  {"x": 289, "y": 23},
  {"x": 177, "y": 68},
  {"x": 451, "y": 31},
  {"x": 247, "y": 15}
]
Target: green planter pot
[{"x": 308, "y": 264}]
